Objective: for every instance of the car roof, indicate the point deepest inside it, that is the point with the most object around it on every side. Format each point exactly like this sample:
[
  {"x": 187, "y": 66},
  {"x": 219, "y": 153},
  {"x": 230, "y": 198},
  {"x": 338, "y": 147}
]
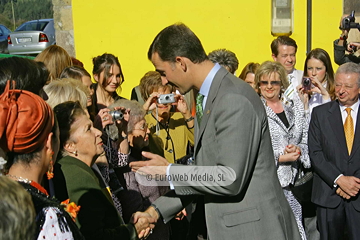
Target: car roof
[{"x": 46, "y": 19}]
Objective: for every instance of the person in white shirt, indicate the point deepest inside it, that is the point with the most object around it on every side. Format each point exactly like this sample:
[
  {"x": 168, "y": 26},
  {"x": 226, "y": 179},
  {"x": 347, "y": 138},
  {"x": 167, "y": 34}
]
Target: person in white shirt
[{"x": 283, "y": 50}]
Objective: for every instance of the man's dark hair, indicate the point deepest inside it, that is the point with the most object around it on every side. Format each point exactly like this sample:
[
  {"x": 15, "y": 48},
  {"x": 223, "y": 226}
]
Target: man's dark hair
[
  {"x": 225, "y": 58},
  {"x": 27, "y": 74},
  {"x": 282, "y": 40},
  {"x": 177, "y": 40}
]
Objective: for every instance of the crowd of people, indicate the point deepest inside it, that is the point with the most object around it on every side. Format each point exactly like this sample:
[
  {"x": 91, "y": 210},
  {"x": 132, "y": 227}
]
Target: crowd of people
[{"x": 74, "y": 151}]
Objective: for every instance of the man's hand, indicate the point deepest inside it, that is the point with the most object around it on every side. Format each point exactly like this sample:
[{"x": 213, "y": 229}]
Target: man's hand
[
  {"x": 181, "y": 215},
  {"x": 342, "y": 194},
  {"x": 144, "y": 223},
  {"x": 349, "y": 184},
  {"x": 147, "y": 167}
]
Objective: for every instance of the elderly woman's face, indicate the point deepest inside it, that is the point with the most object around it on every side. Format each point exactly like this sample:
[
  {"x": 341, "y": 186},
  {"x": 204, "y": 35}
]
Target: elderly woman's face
[
  {"x": 140, "y": 135},
  {"x": 86, "y": 138},
  {"x": 270, "y": 86}
]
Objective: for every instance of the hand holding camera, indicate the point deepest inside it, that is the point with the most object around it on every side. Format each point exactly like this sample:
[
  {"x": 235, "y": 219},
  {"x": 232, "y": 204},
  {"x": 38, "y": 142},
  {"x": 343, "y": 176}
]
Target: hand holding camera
[
  {"x": 352, "y": 47},
  {"x": 348, "y": 22}
]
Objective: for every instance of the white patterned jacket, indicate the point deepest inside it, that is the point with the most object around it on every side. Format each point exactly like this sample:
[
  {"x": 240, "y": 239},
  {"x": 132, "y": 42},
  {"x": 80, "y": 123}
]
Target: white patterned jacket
[{"x": 281, "y": 136}]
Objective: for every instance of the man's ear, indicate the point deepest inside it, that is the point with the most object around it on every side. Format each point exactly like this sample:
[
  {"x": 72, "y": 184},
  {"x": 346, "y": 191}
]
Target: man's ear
[
  {"x": 182, "y": 62},
  {"x": 274, "y": 57}
]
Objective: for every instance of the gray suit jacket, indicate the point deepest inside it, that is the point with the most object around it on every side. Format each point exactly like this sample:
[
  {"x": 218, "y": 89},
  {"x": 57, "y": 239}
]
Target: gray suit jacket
[{"x": 234, "y": 132}]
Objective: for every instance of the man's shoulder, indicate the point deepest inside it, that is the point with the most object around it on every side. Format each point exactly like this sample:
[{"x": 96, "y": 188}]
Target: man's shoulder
[{"x": 324, "y": 107}]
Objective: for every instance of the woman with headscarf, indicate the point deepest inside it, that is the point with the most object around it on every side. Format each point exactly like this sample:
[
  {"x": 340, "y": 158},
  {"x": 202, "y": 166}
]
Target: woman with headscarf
[{"x": 29, "y": 135}]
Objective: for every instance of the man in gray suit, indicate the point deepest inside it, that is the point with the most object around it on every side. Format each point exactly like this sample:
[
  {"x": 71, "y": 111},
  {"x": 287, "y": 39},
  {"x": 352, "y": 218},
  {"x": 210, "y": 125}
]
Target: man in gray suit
[{"x": 232, "y": 132}]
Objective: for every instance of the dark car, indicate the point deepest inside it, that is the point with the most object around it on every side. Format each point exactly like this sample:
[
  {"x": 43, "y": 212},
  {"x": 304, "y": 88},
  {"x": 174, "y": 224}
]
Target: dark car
[
  {"x": 4, "y": 32},
  {"x": 32, "y": 37}
]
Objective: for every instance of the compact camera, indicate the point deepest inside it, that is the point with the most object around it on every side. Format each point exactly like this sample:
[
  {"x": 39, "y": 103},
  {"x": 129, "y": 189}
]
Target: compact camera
[
  {"x": 166, "y": 98},
  {"x": 306, "y": 83},
  {"x": 116, "y": 115},
  {"x": 349, "y": 22}
]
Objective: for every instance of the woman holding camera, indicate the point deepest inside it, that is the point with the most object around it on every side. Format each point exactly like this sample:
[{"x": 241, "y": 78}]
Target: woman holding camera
[
  {"x": 109, "y": 77},
  {"x": 319, "y": 69},
  {"x": 170, "y": 132},
  {"x": 288, "y": 130}
]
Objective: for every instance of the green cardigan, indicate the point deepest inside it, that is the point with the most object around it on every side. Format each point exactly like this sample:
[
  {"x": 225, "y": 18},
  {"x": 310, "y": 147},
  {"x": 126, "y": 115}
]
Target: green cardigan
[{"x": 97, "y": 218}]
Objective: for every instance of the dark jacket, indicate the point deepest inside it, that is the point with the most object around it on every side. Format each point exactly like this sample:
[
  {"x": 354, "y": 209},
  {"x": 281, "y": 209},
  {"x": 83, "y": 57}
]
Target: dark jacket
[{"x": 97, "y": 218}]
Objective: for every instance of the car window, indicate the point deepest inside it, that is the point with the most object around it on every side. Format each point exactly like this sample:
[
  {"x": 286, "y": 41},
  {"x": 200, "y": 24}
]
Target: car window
[{"x": 32, "y": 26}]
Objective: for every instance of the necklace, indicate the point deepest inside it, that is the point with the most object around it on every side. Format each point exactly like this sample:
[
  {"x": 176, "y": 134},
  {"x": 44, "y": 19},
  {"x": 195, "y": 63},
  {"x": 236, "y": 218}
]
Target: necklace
[
  {"x": 30, "y": 182},
  {"x": 19, "y": 179}
]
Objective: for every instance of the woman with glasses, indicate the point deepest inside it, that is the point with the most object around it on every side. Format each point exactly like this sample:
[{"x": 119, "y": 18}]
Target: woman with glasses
[
  {"x": 135, "y": 196},
  {"x": 288, "y": 130},
  {"x": 109, "y": 77},
  {"x": 80, "y": 145}
]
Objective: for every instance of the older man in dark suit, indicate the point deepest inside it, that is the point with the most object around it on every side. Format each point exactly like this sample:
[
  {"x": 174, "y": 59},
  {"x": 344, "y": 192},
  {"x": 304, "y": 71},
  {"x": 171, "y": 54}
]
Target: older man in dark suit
[
  {"x": 231, "y": 131},
  {"x": 334, "y": 141}
]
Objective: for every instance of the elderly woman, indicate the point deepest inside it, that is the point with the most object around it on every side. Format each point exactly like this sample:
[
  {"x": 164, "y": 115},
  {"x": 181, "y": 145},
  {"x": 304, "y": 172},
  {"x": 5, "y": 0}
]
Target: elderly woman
[
  {"x": 170, "y": 132},
  {"x": 29, "y": 136},
  {"x": 135, "y": 197},
  {"x": 80, "y": 145},
  {"x": 288, "y": 130}
]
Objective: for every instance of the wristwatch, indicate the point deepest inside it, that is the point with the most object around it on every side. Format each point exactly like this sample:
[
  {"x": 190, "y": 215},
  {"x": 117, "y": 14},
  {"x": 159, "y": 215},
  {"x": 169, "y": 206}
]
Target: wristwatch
[
  {"x": 343, "y": 37},
  {"x": 189, "y": 119}
]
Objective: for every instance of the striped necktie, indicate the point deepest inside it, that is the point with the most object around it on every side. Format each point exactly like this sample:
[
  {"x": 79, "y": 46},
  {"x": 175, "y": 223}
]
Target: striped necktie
[{"x": 199, "y": 107}]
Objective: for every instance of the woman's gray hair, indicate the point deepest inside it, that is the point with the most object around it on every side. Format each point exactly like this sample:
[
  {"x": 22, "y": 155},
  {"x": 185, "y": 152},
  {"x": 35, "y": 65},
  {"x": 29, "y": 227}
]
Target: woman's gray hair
[
  {"x": 137, "y": 113},
  {"x": 66, "y": 89}
]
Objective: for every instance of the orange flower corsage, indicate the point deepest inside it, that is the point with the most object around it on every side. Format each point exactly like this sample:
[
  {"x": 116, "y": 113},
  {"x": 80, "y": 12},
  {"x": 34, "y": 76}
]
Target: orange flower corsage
[{"x": 71, "y": 208}]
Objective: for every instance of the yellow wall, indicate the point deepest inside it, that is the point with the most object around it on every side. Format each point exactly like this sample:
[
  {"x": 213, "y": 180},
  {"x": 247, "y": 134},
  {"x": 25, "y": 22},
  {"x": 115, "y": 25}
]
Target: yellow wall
[{"x": 127, "y": 28}]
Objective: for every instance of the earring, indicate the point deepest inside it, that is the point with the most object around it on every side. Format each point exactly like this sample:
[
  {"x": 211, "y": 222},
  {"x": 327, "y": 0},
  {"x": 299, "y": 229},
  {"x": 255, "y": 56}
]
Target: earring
[
  {"x": 50, "y": 173},
  {"x": 75, "y": 152}
]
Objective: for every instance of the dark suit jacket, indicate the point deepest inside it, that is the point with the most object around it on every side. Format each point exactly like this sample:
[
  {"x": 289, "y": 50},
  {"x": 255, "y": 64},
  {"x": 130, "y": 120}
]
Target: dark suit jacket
[
  {"x": 97, "y": 218},
  {"x": 234, "y": 133},
  {"x": 329, "y": 155}
]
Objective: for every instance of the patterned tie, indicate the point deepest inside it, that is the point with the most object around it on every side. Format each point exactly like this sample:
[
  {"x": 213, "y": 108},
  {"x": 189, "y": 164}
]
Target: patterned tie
[
  {"x": 199, "y": 107},
  {"x": 349, "y": 130}
]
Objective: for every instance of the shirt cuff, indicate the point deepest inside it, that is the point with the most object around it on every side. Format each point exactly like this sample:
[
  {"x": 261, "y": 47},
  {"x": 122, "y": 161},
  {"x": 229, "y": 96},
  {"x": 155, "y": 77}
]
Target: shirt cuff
[
  {"x": 335, "y": 185},
  {"x": 168, "y": 174}
]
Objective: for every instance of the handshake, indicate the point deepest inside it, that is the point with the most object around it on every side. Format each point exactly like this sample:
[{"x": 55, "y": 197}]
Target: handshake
[{"x": 145, "y": 222}]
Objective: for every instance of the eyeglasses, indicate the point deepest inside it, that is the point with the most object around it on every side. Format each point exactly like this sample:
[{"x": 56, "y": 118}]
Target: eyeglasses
[
  {"x": 273, "y": 83},
  {"x": 143, "y": 128}
]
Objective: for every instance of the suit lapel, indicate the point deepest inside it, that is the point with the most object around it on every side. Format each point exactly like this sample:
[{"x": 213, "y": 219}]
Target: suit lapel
[
  {"x": 214, "y": 88},
  {"x": 356, "y": 143},
  {"x": 337, "y": 126}
]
